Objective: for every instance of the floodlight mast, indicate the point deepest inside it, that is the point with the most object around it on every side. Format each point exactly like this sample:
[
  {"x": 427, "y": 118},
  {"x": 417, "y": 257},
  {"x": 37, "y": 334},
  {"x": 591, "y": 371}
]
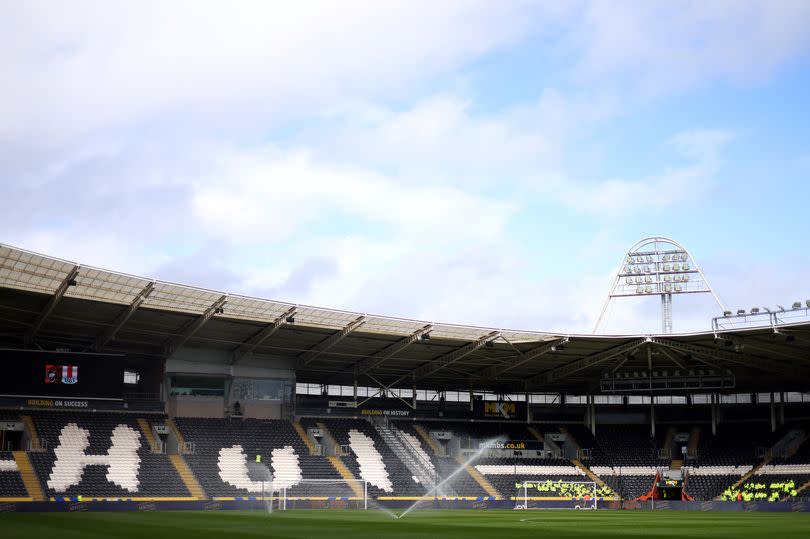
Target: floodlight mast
[{"x": 658, "y": 266}]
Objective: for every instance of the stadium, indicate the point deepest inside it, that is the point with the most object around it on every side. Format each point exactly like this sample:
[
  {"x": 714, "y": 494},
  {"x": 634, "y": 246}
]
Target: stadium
[
  {"x": 126, "y": 394},
  {"x": 404, "y": 269}
]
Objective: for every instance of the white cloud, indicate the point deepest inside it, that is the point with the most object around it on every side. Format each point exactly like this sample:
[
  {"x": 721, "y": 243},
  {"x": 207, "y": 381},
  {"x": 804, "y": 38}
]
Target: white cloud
[
  {"x": 71, "y": 69},
  {"x": 664, "y": 46}
]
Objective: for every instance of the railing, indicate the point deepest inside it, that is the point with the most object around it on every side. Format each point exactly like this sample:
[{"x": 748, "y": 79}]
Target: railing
[
  {"x": 664, "y": 453},
  {"x": 583, "y": 454},
  {"x": 41, "y": 447},
  {"x": 158, "y": 447},
  {"x": 188, "y": 448}
]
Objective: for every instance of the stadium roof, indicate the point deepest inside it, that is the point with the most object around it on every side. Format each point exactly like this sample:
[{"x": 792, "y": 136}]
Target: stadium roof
[{"x": 50, "y": 303}]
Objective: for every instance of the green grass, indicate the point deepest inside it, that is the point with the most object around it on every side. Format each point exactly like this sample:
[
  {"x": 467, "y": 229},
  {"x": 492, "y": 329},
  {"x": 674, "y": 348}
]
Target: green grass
[{"x": 448, "y": 524}]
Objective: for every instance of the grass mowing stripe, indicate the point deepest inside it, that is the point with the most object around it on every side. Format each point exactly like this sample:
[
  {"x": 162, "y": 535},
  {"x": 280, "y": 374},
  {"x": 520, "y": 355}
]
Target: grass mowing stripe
[{"x": 334, "y": 524}]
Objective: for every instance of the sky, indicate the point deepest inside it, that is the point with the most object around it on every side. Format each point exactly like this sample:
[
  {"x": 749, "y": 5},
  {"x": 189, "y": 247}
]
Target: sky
[{"x": 472, "y": 162}]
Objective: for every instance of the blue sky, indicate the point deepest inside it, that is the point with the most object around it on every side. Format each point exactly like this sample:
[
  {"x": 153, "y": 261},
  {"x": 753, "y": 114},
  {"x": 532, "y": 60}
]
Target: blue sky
[{"x": 470, "y": 162}]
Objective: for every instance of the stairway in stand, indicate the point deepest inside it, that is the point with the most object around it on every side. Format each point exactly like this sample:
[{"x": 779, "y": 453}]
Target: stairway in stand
[
  {"x": 480, "y": 479},
  {"x": 29, "y": 477}
]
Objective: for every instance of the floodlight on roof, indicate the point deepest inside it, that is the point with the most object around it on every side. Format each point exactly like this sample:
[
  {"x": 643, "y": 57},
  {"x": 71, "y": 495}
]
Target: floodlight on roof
[
  {"x": 640, "y": 290},
  {"x": 425, "y": 336},
  {"x": 740, "y": 311},
  {"x": 807, "y": 302},
  {"x": 290, "y": 319},
  {"x": 629, "y": 280},
  {"x": 726, "y": 313},
  {"x": 754, "y": 310},
  {"x": 797, "y": 304},
  {"x": 678, "y": 288}
]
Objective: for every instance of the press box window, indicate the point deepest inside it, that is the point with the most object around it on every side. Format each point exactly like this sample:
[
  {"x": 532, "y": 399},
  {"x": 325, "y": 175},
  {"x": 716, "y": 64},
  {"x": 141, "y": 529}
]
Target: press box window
[{"x": 131, "y": 378}]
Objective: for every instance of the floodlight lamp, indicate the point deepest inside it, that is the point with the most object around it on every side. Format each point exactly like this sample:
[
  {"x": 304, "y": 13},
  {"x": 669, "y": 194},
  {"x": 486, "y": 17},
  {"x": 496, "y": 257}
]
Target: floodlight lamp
[
  {"x": 740, "y": 311},
  {"x": 726, "y": 313},
  {"x": 72, "y": 282},
  {"x": 797, "y": 304},
  {"x": 290, "y": 320},
  {"x": 807, "y": 302},
  {"x": 219, "y": 310},
  {"x": 678, "y": 288},
  {"x": 425, "y": 336},
  {"x": 754, "y": 310}
]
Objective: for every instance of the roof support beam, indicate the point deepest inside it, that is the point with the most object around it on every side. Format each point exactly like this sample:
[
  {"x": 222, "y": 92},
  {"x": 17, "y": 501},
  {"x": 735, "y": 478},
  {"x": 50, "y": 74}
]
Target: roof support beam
[
  {"x": 745, "y": 360},
  {"x": 672, "y": 357},
  {"x": 68, "y": 281},
  {"x": 249, "y": 346},
  {"x": 370, "y": 363},
  {"x": 312, "y": 354},
  {"x": 439, "y": 363},
  {"x": 122, "y": 318},
  {"x": 574, "y": 367},
  {"x": 195, "y": 326},
  {"x": 499, "y": 370}
]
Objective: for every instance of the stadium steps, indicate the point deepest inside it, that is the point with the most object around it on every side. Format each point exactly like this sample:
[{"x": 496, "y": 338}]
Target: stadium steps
[
  {"x": 578, "y": 463},
  {"x": 328, "y": 435},
  {"x": 32, "y": 430},
  {"x": 146, "y": 429},
  {"x": 346, "y": 474},
  {"x": 187, "y": 476},
  {"x": 537, "y": 436},
  {"x": 303, "y": 434},
  {"x": 181, "y": 442},
  {"x": 694, "y": 441},
  {"x": 669, "y": 438},
  {"x": 29, "y": 477},
  {"x": 437, "y": 449},
  {"x": 676, "y": 464},
  {"x": 480, "y": 479}
]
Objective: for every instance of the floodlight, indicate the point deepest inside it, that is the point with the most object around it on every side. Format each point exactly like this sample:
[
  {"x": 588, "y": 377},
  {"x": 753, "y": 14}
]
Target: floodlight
[
  {"x": 668, "y": 288},
  {"x": 726, "y": 313},
  {"x": 640, "y": 290},
  {"x": 740, "y": 311},
  {"x": 667, "y": 278},
  {"x": 754, "y": 310},
  {"x": 807, "y": 302},
  {"x": 290, "y": 320},
  {"x": 676, "y": 278},
  {"x": 219, "y": 310},
  {"x": 666, "y": 267},
  {"x": 425, "y": 336},
  {"x": 676, "y": 267},
  {"x": 646, "y": 269},
  {"x": 629, "y": 280},
  {"x": 678, "y": 288},
  {"x": 72, "y": 282},
  {"x": 685, "y": 278},
  {"x": 648, "y": 290},
  {"x": 797, "y": 304},
  {"x": 685, "y": 267},
  {"x": 665, "y": 258}
]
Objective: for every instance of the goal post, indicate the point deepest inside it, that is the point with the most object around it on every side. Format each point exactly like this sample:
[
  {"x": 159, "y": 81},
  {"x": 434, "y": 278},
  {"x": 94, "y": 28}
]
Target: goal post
[
  {"x": 548, "y": 494},
  {"x": 325, "y": 494}
]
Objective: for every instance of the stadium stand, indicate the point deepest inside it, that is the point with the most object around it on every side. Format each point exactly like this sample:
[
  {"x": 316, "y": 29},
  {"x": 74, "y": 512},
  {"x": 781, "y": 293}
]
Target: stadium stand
[
  {"x": 222, "y": 448},
  {"x": 370, "y": 457},
  {"x": 100, "y": 455}
]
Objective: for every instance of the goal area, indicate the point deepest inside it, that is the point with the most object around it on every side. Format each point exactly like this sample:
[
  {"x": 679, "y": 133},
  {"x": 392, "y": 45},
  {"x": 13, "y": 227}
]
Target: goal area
[
  {"x": 548, "y": 494},
  {"x": 324, "y": 494}
]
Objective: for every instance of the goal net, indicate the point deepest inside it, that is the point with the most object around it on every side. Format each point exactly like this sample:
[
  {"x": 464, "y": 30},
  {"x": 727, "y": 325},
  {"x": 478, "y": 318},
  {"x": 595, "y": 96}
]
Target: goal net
[
  {"x": 325, "y": 494},
  {"x": 548, "y": 494}
]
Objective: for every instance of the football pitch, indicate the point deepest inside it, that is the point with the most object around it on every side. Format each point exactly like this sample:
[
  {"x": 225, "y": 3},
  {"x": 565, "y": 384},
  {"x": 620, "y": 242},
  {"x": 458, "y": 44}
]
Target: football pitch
[{"x": 489, "y": 524}]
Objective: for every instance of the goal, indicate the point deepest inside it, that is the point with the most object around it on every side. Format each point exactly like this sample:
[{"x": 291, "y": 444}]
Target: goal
[
  {"x": 325, "y": 494},
  {"x": 548, "y": 494}
]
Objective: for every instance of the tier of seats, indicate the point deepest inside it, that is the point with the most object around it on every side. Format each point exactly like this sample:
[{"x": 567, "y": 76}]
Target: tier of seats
[
  {"x": 100, "y": 455},
  {"x": 223, "y": 447},
  {"x": 11, "y": 484},
  {"x": 370, "y": 458}
]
